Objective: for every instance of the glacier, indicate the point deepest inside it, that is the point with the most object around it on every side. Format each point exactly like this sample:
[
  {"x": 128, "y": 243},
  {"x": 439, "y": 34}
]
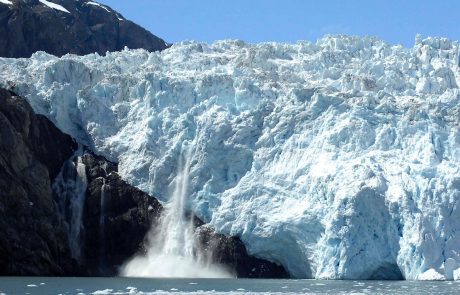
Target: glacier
[{"x": 338, "y": 159}]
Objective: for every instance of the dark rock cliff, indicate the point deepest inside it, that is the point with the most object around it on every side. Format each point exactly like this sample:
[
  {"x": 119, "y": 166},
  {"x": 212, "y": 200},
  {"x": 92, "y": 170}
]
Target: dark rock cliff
[
  {"x": 28, "y": 26},
  {"x": 33, "y": 239},
  {"x": 115, "y": 217},
  {"x": 231, "y": 252}
]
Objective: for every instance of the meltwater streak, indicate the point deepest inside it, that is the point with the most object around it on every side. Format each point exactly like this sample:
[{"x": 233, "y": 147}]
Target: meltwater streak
[
  {"x": 172, "y": 251},
  {"x": 70, "y": 186},
  {"x": 102, "y": 220}
]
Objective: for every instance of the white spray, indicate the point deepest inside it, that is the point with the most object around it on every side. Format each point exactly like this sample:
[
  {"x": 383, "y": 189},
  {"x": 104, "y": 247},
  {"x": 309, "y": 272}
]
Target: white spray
[{"x": 171, "y": 248}]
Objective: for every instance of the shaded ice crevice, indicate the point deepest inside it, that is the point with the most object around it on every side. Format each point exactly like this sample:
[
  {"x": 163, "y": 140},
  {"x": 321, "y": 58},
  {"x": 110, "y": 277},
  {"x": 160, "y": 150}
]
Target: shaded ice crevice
[{"x": 302, "y": 147}]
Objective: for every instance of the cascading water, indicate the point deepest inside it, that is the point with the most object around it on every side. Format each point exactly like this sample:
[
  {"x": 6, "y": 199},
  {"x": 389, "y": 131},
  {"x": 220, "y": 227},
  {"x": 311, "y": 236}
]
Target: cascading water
[
  {"x": 70, "y": 187},
  {"x": 172, "y": 251},
  {"x": 176, "y": 233},
  {"x": 102, "y": 218}
]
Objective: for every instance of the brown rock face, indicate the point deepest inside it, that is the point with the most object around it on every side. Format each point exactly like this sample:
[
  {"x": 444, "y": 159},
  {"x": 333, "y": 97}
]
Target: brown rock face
[
  {"x": 33, "y": 239},
  {"x": 29, "y": 26}
]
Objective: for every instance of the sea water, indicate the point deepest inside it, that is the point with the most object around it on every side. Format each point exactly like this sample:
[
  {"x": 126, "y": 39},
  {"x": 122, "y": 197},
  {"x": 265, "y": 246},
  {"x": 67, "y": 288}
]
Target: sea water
[{"x": 80, "y": 286}]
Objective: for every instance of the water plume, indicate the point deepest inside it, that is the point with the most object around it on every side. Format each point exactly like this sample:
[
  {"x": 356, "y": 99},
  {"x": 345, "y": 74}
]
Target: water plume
[{"x": 171, "y": 248}]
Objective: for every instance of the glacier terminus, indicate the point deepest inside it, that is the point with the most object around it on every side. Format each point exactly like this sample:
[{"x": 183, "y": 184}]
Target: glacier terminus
[{"x": 338, "y": 159}]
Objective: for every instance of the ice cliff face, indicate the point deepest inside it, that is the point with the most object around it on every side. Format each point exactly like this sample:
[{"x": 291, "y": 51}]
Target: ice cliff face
[{"x": 337, "y": 159}]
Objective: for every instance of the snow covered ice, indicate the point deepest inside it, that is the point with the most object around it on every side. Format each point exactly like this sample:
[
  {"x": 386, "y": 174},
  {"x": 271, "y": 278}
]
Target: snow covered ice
[
  {"x": 54, "y": 6},
  {"x": 7, "y": 2},
  {"x": 336, "y": 159},
  {"x": 98, "y": 5}
]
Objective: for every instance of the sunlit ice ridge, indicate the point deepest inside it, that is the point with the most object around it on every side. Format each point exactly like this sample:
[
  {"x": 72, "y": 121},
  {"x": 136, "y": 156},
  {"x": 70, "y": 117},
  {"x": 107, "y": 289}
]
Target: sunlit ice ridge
[{"x": 338, "y": 159}]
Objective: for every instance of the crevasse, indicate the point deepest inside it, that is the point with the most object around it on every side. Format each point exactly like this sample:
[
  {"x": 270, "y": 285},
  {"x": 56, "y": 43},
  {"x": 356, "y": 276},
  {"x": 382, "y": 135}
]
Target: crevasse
[{"x": 336, "y": 159}]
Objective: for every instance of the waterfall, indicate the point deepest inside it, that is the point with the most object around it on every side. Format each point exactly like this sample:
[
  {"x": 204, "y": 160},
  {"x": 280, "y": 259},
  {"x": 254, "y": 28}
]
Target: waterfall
[
  {"x": 70, "y": 188},
  {"x": 176, "y": 231},
  {"x": 171, "y": 249},
  {"x": 102, "y": 222}
]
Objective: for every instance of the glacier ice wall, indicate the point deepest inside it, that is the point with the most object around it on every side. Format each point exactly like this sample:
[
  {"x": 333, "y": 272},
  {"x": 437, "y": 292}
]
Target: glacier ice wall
[{"x": 336, "y": 159}]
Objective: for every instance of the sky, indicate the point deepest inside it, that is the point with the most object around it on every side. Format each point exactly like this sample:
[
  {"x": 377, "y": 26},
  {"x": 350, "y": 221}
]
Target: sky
[{"x": 395, "y": 21}]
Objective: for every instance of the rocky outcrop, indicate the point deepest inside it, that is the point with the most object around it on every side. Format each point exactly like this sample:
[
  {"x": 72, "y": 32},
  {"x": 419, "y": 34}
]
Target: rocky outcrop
[
  {"x": 33, "y": 239},
  {"x": 116, "y": 219},
  {"x": 231, "y": 252},
  {"x": 83, "y": 27}
]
